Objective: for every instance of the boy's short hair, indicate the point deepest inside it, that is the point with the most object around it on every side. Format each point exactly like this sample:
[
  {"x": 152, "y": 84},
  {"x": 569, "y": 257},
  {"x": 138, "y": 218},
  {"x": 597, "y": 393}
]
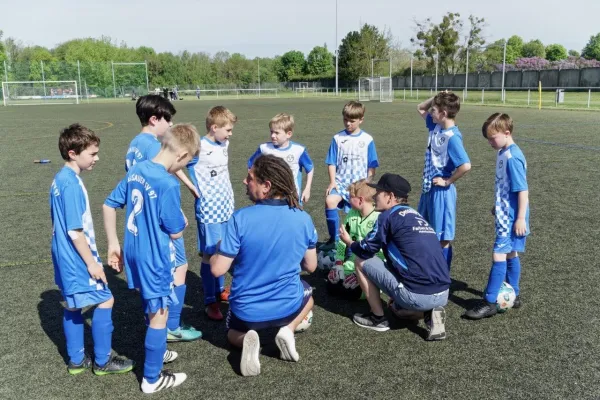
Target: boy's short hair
[
  {"x": 219, "y": 116},
  {"x": 282, "y": 121},
  {"x": 154, "y": 105},
  {"x": 76, "y": 137},
  {"x": 449, "y": 102},
  {"x": 182, "y": 136},
  {"x": 498, "y": 122},
  {"x": 360, "y": 188},
  {"x": 354, "y": 110}
]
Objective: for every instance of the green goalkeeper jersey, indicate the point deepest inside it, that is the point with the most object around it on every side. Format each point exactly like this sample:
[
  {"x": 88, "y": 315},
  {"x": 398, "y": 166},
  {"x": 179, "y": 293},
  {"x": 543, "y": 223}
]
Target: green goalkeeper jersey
[{"x": 358, "y": 228}]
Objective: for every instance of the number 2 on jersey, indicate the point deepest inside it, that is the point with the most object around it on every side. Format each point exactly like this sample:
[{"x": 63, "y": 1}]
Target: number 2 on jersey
[{"x": 138, "y": 202}]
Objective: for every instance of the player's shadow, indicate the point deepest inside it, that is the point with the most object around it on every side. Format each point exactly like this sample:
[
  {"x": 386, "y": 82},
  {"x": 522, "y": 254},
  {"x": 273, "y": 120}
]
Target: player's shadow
[
  {"x": 128, "y": 321},
  {"x": 459, "y": 286}
]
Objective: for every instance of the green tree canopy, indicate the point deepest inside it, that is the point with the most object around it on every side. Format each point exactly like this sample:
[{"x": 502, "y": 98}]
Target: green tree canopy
[
  {"x": 291, "y": 65},
  {"x": 534, "y": 48},
  {"x": 591, "y": 51},
  {"x": 556, "y": 52},
  {"x": 358, "y": 49},
  {"x": 319, "y": 61},
  {"x": 440, "y": 40}
]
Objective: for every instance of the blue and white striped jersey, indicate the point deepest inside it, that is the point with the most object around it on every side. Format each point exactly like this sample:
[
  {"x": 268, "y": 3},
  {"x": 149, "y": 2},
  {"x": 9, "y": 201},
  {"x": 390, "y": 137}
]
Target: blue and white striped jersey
[{"x": 511, "y": 178}]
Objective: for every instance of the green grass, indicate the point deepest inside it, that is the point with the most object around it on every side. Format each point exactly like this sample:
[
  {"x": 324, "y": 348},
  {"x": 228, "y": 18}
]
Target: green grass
[{"x": 547, "y": 349}]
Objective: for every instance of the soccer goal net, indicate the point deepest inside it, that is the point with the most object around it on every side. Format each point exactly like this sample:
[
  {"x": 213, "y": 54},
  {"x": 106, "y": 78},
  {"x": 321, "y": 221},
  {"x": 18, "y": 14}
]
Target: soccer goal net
[
  {"x": 376, "y": 89},
  {"x": 40, "y": 92}
]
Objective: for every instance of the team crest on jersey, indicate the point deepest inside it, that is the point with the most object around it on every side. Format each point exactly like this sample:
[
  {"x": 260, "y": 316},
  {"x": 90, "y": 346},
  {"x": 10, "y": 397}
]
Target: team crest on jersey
[
  {"x": 290, "y": 158},
  {"x": 345, "y": 159},
  {"x": 370, "y": 225},
  {"x": 213, "y": 173},
  {"x": 442, "y": 140},
  {"x": 500, "y": 163},
  {"x": 361, "y": 144}
]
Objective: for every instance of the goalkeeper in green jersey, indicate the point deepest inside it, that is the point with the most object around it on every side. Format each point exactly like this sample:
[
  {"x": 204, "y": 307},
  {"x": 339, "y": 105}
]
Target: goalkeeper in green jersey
[{"x": 359, "y": 222}]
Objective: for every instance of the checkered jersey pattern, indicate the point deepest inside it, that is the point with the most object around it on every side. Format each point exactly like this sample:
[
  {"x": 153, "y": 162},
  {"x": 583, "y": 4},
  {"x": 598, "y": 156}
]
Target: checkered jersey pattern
[
  {"x": 352, "y": 160},
  {"x": 211, "y": 176},
  {"x": 173, "y": 259},
  {"x": 90, "y": 235},
  {"x": 436, "y": 155},
  {"x": 506, "y": 204}
]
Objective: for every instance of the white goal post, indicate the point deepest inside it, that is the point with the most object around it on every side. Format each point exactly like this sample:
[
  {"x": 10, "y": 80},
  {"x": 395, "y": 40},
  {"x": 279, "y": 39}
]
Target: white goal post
[
  {"x": 377, "y": 89},
  {"x": 20, "y": 93}
]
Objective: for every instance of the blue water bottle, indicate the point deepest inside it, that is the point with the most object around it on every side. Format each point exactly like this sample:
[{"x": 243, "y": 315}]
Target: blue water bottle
[{"x": 44, "y": 161}]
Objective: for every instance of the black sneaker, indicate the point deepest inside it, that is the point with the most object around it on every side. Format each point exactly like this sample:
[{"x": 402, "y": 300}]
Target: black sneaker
[
  {"x": 517, "y": 303},
  {"x": 371, "y": 321},
  {"x": 75, "y": 369},
  {"x": 114, "y": 366},
  {"x": 483, "y": 309}
]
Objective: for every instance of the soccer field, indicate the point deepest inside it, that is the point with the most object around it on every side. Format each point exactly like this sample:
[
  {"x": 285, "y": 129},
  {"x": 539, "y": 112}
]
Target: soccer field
[{"x": 550, "y": 348}]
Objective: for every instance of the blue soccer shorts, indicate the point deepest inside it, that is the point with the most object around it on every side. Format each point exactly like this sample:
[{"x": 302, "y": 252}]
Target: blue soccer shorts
[
  {"x": 151, "y": 306},
  {"x": 208, "y": 237},
  {"x": 438, "y": 207},
  {"x": 344, "y": 204},
  {"x": 86, "y": 299},
  {"x": 508, "y": 244}
]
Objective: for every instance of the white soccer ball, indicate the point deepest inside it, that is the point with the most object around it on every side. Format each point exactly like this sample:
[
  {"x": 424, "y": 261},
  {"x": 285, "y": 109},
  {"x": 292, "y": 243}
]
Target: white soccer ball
[
  {"x": 506, "y": 297},
  {"x": 306, "y": 322},
  {"x": 326, "y": 260}
]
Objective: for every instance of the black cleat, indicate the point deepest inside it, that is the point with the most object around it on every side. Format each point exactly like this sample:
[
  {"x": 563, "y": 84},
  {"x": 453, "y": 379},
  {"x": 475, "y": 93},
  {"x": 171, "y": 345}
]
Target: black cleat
[
  {"x": 517, "y": 303},
  {"x": 483, "y": 309},
  {"x": 75, "y": 369},
  {"x": 114, "y": 366}
]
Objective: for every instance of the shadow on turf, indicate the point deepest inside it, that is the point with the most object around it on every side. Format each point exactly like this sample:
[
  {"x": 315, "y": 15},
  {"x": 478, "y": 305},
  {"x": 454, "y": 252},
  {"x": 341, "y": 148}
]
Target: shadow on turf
[{"x": 459, "y": 286}]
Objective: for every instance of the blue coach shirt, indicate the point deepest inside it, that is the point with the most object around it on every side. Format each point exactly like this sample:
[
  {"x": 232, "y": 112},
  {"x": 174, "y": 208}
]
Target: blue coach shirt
[
  {"x": 144, "y": 146},
  {"x": 267, "y": 241},
  {"x": 151, "y": 195},
  {"x": 411, "y": 246}
]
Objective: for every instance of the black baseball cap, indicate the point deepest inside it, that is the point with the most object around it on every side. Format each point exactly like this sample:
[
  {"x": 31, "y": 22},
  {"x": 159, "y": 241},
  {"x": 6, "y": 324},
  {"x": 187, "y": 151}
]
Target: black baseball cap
[{"x": 392, "y": 183}]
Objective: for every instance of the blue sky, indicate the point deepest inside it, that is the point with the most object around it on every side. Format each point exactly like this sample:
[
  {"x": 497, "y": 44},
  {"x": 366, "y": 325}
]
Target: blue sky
[{"x": 268, "y": 27}]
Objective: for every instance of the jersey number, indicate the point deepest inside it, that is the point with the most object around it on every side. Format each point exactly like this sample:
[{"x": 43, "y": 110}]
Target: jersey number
[{"x": 138, "y": 202}]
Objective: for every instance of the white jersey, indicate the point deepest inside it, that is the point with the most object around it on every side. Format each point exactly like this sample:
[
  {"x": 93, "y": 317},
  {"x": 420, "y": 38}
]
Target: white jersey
[{"x": 210, "y": 173}]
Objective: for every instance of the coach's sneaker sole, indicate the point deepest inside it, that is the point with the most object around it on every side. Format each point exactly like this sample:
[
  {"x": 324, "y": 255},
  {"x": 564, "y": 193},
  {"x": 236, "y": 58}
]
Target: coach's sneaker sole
[
  {"x": 250, "y": 364},
  {"x": 183, "y": 334},
  {"x": 371, "y": 321},
  {"x": 84, "y": 365},
  {"x": 170, "y": 356},
  {"x": 114, "y": 366},
  {"x": 435, "y": 323},
  {"x": 286, "y": 343},
  {"x": 166, "y": 380}
]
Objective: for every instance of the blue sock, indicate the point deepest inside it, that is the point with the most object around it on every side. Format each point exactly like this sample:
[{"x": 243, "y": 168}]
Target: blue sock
[
  {"x": 208, "y": 284},
  {"x": 156, "y": 345},
  {"x": 448, "y": 255},
  {"x": 333, "y": 222},
  {"x": 513, "y": 273},
  {"x": 174, "y": 320},
  {"x": 220, "y": 284},
  {"x": 73, "y": 326},
  {"x": 102, "y": 329},
  {"x": 497, "y": 274}
]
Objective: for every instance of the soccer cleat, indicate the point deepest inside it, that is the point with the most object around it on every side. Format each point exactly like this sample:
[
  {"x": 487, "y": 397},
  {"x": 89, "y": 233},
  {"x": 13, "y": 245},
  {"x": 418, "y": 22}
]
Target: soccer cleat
[
  {"x": 286, "y": 343},
  {"x": 517, "y": 303},
  {"x": 214, "y": 312},
  {"x": 169, "y": 356},
  {"x": 434, "y": 322},
  {"x": 250, "y": 364},
  {"x": 371, "y": 321},
  {"x": 166, "y": 380},
  {"x": 75, "y": 369},
  {"x": 184, "y": 333},
  {"x": 224, "y": 295},
  {"x": 114, "y": 366},
  {"x": 483, "y": 309}
]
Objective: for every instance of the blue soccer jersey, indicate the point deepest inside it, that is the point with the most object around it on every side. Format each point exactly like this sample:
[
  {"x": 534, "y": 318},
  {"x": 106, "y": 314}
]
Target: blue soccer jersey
[
  {"x": 70, "y": 211},
  {"x": 352, "y": 156},
  {"x": 511, "y": 178},
  {"x": 266, "y": 282},
  {"x": 151, "y": 195},
  {"x": 144, "y": 146},
  {"x": 210, "y": 173},
  {"x": 295, "y": 155},
  {"x": 445, "y": 152}
]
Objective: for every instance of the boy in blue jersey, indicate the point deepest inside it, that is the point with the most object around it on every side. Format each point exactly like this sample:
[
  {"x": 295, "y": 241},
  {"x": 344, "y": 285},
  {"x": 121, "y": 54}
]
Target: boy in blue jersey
[
  {"x": 78, "y": 270},
  {"x": 351, "y": 157},
  {"x": 282, "y": 129},
  {"x": 511, "y": 213},
  {"x": 446, "y": 161},
  {"x": 156, "y": 114},
  {"x": 153, "y": 221},
  {"x": 265, "y": 261},
  {"x": 210, "y": 173},
  {"x": 416, "y": 276}
]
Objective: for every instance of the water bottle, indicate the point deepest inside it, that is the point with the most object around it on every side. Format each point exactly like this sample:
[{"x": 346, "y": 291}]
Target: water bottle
[{"x": 44, "y": 161}]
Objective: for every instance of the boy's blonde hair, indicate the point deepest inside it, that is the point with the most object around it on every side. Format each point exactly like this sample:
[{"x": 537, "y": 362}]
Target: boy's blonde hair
[
  {"x": 354, "y": 110},
  {"x": 498, "y": 122},
  {"x": 282, "y": 121},
  {"x": 360, "y": 188},
  {"x": 219, "y": 116},
  {"x": 182, "y": 137}
]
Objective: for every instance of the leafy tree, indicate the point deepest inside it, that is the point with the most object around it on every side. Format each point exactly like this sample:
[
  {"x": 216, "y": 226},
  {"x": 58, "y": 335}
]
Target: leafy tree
[
  {"x": 514, "y": 48},
  {"x": 357, "y": 50},
  {"x": 556, "y": 52},
  {"x": 591, "y": 51},
  {"x": 441, "y": 40},
  {"x": 319, "y": 61},
  {"x": 534, "y": 48},
  {"x": 474, "y": 40},
  {"x": 2, "y": 49},
  {"x": 574, "y": 53},
  {"x": 291, "y": 65}
]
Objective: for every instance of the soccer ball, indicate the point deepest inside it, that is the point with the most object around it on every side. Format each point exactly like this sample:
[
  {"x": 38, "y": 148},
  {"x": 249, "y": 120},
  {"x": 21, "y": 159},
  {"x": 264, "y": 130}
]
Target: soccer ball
[
  {"x": 326, "y": 260},
  {"x": 506, "y": 297},
  {"x": 306, "y": 322}
]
